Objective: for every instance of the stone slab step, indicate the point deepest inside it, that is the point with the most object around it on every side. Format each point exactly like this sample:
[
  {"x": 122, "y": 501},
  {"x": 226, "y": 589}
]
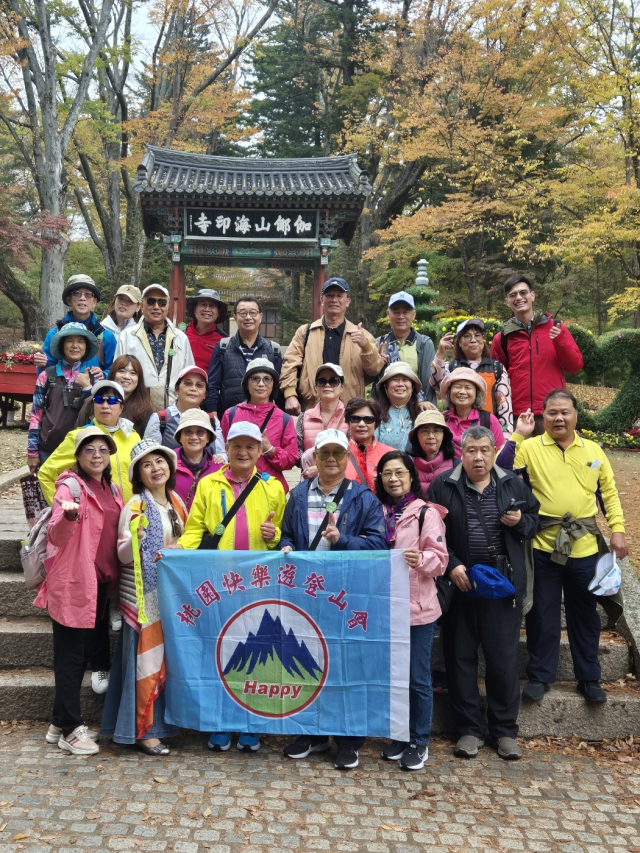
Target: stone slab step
[
  {"x": 15, "y": 598},
  {"x": 28, "y": 695},
  {"x": 562, "y": 713},
  {"x": 29, "y": 642}
]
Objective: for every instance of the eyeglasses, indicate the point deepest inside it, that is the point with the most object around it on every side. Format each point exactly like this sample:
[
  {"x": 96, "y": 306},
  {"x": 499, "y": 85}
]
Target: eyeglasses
[
  {"x": 427, "y": 430},
  {"x": 333, "y": 381},
  {"x": 471, "y": 335},
  {"x": 198, "y": 432},
  {"x": 156, "y": 300},
  {"x": 261, "y": 380},
  {"x": 82, "y": 294},
  {"x": 338, "y": 454},
  {"x": 112, "y": 401},
  {"x": 389, "y": 475},
  {"x": 244, "y": 314},
  {"x": 366, "y": 419},
  {"x": 92, "y": 451},
  {"x": 520, "y": 294}
]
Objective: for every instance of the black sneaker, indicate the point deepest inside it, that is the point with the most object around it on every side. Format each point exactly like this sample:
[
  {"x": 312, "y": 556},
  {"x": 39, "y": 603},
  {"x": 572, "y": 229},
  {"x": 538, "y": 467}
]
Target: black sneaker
[
  {"x": 346, "y": 758},
  {"x": 534, "y": 690},
  {"x": 304, "y": 745},
  {"x": 592, "y": 692},
  {"x": 414, "y": 757},
  {"x": 439, "y": 682},
  {"x": 393, "y": 751}
]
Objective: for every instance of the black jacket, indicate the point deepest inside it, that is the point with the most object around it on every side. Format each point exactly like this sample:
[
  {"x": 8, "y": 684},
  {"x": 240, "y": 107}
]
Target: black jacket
[
  {"x": 448, "y": 490},
  {"x": 226, "y": 370}
]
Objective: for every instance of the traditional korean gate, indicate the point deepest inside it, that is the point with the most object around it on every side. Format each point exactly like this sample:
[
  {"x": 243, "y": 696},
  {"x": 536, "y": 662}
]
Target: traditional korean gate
[{"x": 244, "y": 212}]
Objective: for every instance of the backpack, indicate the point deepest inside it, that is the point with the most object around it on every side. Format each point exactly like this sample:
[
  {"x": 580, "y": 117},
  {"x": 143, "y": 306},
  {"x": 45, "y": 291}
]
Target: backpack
[
  {"x": 224, "y": 343},
  {"x": 491, "y": 376},
  {"x": 34, "y": 549},
  {"x": 60, "y": 408}
]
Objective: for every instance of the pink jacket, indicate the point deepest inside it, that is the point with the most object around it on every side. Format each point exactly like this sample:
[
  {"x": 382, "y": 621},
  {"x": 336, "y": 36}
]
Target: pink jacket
[
  {"x": 428, "y": 471},
  {"x": 70, "y": 590},
  {"x": 458, "y": 426},
  {"x": 184, "y": 478},
  {"x": 424, "y": 607},
  {"x": 312, "y": 424},
  {"x": 282, "y": 437}
]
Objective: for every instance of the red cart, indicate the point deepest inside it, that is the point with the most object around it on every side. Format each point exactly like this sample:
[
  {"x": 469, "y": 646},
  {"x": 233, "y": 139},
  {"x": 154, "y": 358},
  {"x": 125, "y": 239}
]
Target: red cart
[{"x": 17, "y": 384}]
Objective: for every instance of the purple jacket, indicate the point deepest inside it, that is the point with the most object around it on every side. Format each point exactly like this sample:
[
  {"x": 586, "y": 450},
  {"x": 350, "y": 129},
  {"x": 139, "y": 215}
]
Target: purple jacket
[{"x": 185, "y": 485}]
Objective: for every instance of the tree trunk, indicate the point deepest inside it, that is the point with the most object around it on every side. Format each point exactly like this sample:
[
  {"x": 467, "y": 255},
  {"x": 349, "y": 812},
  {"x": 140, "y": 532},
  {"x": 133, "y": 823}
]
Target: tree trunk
[
  {"x": 35, "y": 322},
  {"x": 52, "y": 282}
]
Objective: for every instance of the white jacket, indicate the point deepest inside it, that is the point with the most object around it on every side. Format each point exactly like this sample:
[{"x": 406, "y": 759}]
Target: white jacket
[
  {"x": 108, "y": 323},
  {"x": 134, "y": 341}
]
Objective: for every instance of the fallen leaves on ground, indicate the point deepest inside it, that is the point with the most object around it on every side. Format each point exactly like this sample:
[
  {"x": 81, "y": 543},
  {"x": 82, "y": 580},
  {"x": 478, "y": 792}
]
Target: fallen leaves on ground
[
  {"x": 593, "y": 397},
  {"x": 624, "y": 750}
]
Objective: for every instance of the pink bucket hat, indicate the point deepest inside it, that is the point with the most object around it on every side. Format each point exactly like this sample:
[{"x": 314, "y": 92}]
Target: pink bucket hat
[{"x": 459, "y": 374}]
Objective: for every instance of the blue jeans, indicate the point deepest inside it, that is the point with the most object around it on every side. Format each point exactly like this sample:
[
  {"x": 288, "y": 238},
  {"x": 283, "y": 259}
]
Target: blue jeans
[{"x": 420, "y": 692}]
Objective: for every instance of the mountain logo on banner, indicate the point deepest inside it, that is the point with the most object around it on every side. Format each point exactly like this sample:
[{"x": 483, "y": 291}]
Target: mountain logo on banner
[{"x": 272, "y": 659}]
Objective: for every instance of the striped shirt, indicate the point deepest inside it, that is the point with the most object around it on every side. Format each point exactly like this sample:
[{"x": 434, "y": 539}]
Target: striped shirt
[
  {"x": 483, "y": 502},
  {"x": 317, "y": 509}
]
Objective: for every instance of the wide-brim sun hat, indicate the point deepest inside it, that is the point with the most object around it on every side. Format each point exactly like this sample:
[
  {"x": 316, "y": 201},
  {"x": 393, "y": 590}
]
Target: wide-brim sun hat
[
  {"x": 103, "y": 384},
  {"x": 68, "y": 331},
  {"x": 208, "y": 293},
  {"x": 260, "y": 365},
  {"x": 144, "y": 448},
  {"x": 426, "y": 418},
  {"x": 399, "y": 368},
  {"x": 89, "y": 433},
  {"x": 460, "y": 374},
  {"x": 194, "y": 417},
  {"x": 80, "y": 282}
]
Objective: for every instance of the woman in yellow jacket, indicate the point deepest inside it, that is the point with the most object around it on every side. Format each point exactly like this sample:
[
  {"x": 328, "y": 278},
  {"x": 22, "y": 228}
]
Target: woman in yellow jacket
[
  {"x": 108, "y": 398},
  {"x": 256, "y": 526}
]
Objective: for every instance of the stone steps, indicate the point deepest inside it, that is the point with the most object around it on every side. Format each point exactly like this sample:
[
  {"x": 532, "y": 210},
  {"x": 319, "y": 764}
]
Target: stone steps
[
  {"x": 27, "y": 694},
  {"x": 15, "y": 598}
]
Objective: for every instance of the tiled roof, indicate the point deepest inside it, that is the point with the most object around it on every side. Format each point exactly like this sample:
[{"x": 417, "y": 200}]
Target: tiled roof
[{"x": 200, "y": 175}]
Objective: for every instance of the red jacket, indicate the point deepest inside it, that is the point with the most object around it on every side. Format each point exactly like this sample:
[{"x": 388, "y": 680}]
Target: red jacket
[
  {"x": 367, "y": 460},
  {"x": 202, "y": 346},
  {"x": 535, "y": 362}
]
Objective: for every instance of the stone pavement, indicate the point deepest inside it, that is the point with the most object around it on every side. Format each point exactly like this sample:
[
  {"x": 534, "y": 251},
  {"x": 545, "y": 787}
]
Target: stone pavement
[{"x": 195, "y": 801}]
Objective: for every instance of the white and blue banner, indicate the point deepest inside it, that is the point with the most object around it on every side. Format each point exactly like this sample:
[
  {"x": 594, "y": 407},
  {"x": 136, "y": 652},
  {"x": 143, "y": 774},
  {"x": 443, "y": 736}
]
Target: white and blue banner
[{"x": 303, "y": 643}]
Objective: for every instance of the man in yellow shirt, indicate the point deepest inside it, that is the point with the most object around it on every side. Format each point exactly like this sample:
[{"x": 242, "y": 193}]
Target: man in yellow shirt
[{"x": 565, "y": 471}]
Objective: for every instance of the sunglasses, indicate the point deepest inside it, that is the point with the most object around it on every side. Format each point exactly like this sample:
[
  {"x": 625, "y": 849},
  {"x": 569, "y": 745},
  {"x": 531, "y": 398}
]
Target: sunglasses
[
  {"x": 176, "y": 526},
  {"x": 366, "y": 419},
  {"x": 337, "y": 454},
  {"x": 112, "y": 400},
  {"x": 331, "y": 380},
  {"x": 153, "y": 300}
]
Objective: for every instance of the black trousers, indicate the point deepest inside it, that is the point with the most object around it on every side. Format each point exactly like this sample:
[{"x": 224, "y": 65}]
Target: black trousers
[
  {"x": 543, "y": 620},
  {"x": 72, "y": 649},
  {"x": 342, "y": 740},
  {"x": 495, "y": 626}
]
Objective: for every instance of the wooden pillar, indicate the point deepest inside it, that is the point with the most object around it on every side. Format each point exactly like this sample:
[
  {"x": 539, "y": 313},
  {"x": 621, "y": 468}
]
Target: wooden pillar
[
  {"x": 319, "y": 278},
  {"x": 177, "y": 304}
]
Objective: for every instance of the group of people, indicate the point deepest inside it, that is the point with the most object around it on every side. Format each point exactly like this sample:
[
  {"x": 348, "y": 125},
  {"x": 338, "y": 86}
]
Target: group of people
[{"x": 146, "y": 438}]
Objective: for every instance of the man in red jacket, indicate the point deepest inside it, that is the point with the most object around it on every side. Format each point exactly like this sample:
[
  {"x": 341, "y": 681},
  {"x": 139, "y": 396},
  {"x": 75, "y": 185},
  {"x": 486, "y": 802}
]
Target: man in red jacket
[{"x": 536, "y": 350}]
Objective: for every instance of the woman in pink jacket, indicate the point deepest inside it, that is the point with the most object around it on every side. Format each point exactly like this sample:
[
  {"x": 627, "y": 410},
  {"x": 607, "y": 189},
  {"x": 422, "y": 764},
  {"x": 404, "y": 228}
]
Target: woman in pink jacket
[
  {"x": 328, "y": 413},
  {"x": 279, "y": 442},
  {"x": 82, "y": 570},
  {"x": 415, "y": 526},
  {"x": 464, "y": 392}
]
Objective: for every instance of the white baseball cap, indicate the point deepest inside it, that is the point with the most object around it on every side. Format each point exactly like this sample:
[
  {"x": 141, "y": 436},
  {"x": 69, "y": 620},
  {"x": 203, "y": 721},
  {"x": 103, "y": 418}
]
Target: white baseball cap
[
  {"x": 244, "y": 428},
  {"x": 108, "y": 383},
  {"x": 331, "y": 436},
  {"x": 334, "y": 368},
  {"x": 155, "y": 287},
  {"x": 402, "y": 296}
]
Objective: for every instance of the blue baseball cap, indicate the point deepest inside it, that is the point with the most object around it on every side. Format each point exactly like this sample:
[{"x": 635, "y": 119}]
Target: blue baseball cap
[
  {"x": 336, "y": 282},
  {"x": 403, "y": 296}
]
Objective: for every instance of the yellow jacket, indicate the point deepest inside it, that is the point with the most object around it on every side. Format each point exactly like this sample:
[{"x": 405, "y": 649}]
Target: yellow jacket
[
  {"x": 206, "y": 512},
  {"x": 567, "y": 482},
  {"x": 63, "y": 457}
]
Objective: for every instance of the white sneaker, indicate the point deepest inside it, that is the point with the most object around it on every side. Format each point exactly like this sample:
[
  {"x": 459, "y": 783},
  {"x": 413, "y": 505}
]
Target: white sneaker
[
  {"x": 79, "y": 742},
  {"x": 115, "y": 619},
  {"x": 54, "y": 734},
  {"x": 99, "y": 681}
]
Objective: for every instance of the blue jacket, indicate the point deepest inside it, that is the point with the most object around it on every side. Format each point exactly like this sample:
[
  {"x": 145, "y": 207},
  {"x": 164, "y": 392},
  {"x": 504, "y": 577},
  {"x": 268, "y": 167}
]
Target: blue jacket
[
  {"x": 361, "y": 522},
  {"x": 107, "y": 340}
]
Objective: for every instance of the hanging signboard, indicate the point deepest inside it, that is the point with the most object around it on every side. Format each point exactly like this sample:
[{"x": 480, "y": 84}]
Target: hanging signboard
[{"x": 265, "y": 226}]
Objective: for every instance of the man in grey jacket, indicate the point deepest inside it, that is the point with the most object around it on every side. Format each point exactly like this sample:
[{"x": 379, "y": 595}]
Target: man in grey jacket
[{"x": 403, "y": 343}]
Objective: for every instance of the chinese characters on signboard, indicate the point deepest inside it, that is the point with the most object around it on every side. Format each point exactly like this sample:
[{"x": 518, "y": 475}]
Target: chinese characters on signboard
[{"x": 251, "y": 225}]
